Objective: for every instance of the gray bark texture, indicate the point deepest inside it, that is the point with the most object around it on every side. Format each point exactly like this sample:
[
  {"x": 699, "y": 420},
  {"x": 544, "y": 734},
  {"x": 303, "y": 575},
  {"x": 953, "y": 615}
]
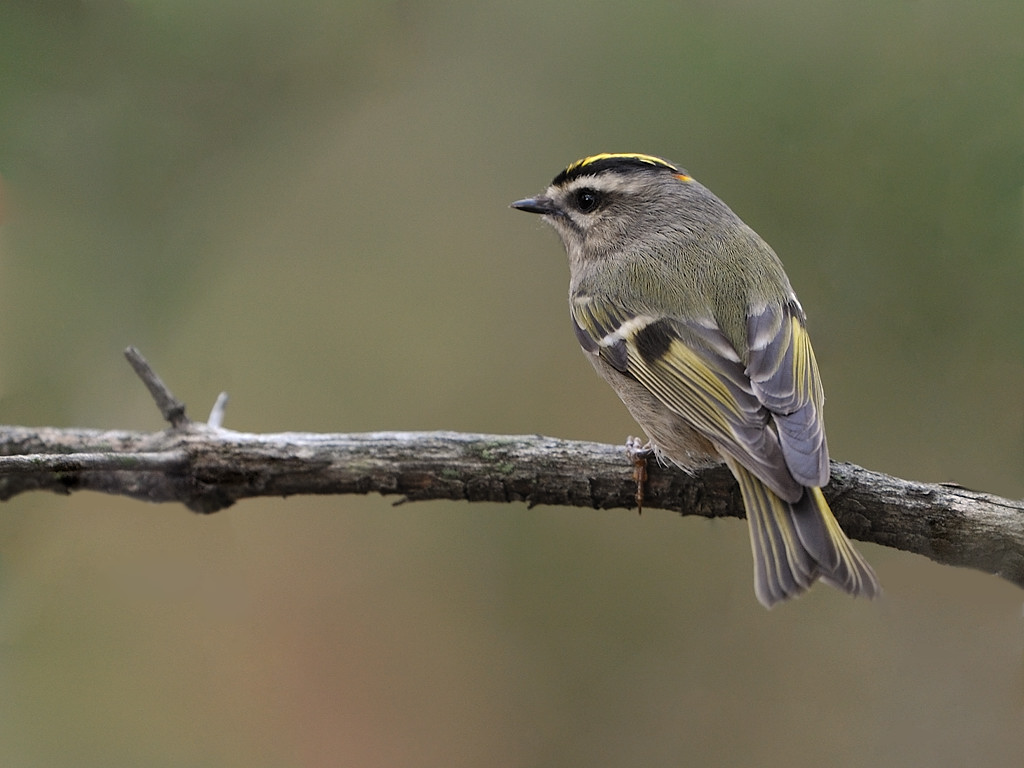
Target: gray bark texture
[{"x": 208, "y": 468}]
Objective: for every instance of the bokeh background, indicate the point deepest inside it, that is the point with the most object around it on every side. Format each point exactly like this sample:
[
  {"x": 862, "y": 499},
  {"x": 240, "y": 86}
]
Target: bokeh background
[{"x": 305, "y": 203}]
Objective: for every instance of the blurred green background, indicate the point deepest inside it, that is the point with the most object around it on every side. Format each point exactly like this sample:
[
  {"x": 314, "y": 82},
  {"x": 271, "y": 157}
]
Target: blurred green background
[{"x": 306, "y": 203}]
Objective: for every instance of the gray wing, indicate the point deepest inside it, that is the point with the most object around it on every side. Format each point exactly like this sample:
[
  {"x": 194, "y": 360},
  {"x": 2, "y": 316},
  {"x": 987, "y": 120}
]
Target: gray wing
[
  {"x": 694, "y": 371},
  {"x": 784, "y": 377}
]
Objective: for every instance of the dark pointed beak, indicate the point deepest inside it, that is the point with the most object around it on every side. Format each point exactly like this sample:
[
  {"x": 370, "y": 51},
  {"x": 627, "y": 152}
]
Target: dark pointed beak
[{"x": 539, "y": 204}]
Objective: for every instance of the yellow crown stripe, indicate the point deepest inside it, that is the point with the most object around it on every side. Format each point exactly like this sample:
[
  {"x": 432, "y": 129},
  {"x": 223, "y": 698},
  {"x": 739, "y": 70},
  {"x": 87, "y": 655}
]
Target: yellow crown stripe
[{"x": 651, "y": 159}]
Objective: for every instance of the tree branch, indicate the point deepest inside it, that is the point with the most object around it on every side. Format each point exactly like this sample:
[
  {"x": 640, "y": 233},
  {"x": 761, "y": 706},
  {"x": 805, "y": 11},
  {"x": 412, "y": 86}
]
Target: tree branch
[
  {"x": 171, "y": 408},
  {"x": 208, "y": 468}
]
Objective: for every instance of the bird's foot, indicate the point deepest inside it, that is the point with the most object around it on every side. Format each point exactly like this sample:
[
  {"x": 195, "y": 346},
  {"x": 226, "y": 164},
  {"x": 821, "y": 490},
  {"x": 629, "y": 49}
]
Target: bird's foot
[{"x": 638, "y": 452}]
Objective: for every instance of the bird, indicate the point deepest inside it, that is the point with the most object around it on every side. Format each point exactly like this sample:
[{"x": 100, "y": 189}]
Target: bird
[{"x": 689, "y": 316}]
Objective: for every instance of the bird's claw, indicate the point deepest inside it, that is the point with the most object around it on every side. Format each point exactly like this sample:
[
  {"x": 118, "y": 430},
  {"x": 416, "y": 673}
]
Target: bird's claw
[{"x": 638, "y": 453}]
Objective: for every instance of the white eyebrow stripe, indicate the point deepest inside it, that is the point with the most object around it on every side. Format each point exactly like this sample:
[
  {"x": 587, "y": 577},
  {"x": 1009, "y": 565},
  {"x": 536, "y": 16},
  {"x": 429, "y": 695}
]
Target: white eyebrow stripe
[{"x": 604, "y": 182}]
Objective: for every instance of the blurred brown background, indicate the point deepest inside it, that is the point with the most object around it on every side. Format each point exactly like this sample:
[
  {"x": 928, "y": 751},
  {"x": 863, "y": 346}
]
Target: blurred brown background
[{"x": 306, "y": 204}]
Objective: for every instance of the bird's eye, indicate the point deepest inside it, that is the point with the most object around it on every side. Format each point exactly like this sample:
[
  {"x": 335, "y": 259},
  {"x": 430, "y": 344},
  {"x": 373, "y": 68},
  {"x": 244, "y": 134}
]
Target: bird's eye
[{"x": 587, "y": 200}]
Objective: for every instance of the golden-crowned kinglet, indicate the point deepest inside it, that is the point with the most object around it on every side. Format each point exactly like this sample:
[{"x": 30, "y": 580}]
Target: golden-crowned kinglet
[{"x": 688, "y": 314}]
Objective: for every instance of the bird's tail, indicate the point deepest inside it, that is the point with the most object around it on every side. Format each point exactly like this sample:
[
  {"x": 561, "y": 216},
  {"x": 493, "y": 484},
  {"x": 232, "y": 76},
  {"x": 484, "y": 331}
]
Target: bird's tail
[{"x": 795, "y": 544}]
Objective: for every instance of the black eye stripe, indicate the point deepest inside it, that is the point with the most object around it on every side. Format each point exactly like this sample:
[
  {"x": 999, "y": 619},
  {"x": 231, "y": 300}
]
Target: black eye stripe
[{"x": 587, "y": 200}]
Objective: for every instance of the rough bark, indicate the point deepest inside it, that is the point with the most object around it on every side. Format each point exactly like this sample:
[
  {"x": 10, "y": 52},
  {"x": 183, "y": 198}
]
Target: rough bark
[{"x": 208, "y": 468}]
